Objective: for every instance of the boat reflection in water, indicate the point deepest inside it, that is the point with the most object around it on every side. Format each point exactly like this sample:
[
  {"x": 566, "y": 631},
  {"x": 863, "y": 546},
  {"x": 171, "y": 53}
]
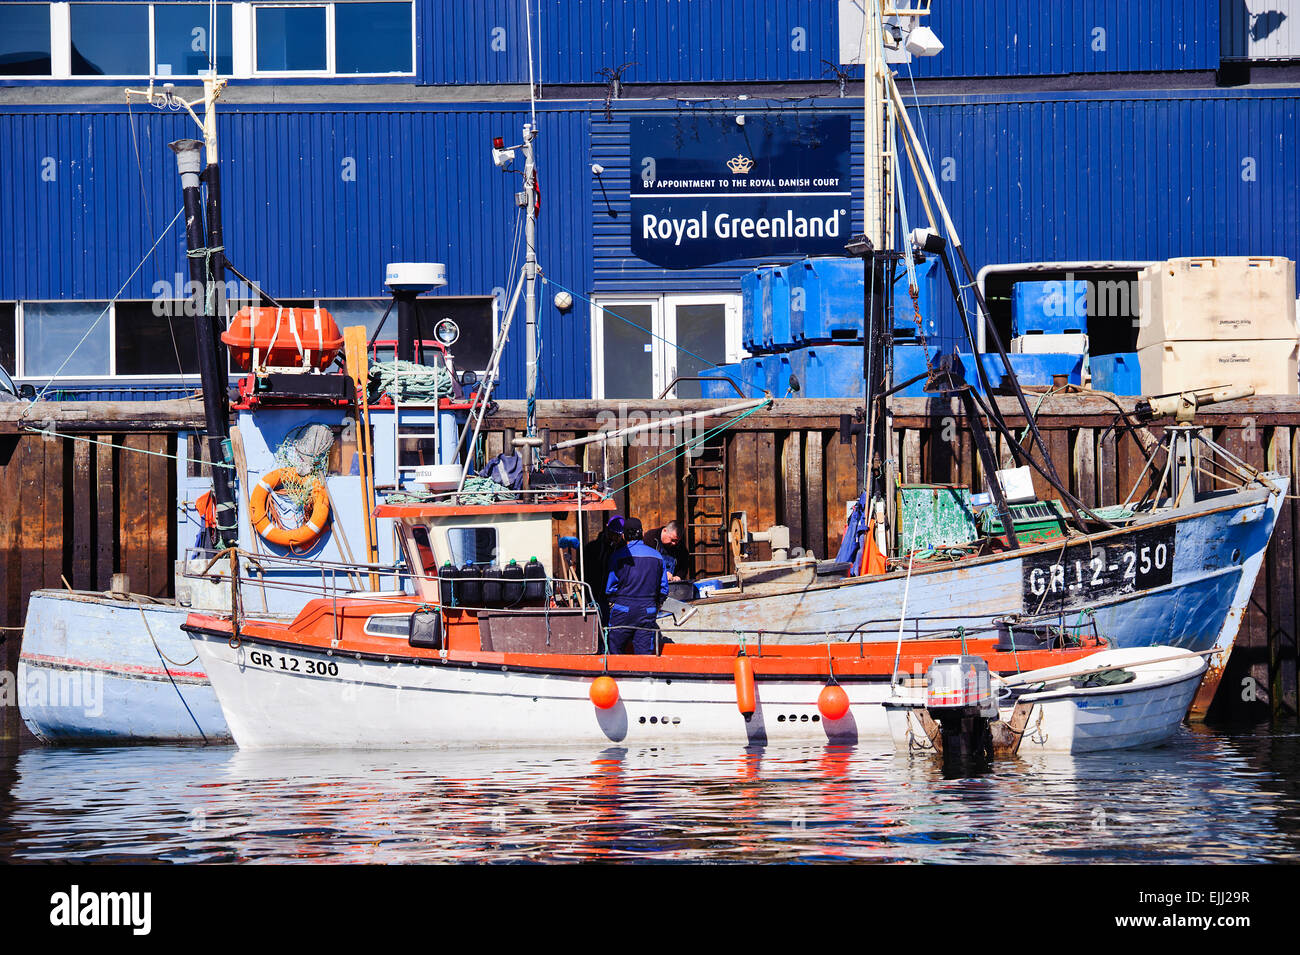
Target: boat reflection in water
[{"x": 1202, "y": 798}]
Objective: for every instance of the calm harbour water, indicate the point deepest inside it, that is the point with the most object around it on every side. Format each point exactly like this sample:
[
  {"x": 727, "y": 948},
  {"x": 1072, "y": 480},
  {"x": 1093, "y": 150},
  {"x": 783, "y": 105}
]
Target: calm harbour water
[{"x": 1205, "y": 797}]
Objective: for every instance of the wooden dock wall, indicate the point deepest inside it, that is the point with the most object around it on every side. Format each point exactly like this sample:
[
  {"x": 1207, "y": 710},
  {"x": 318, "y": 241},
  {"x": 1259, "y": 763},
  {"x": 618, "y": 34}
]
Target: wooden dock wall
[{"x": 84, "y": 511}]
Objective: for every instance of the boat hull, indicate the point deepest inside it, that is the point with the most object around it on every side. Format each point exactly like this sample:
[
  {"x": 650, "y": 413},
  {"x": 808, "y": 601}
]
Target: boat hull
[
  {"x": 96, "y": 669},
  {"x": 1212, "y": 553},
  {"x": 1145, "y": 712},
  {"x": 304, "y": 697}
]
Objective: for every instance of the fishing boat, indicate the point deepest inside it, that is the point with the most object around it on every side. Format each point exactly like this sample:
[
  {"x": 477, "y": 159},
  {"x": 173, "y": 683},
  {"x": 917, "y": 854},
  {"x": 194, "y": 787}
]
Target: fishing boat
[
  {"x": 1116, "y": 699},
  {"x": 793, "y": 649},
  {"x": 115, "y": 666}
]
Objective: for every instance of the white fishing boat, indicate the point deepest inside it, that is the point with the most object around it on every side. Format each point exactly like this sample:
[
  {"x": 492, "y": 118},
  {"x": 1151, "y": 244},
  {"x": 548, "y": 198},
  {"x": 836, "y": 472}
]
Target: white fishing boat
[{"x": 1117, "y": 699}]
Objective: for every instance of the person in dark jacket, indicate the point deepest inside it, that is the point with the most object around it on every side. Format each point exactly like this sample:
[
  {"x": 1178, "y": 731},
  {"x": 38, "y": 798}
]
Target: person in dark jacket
[
  {"x": 637, "y": 585},
  {"x": 677, "y": 559},
  {"x": 595, "y": 562}
]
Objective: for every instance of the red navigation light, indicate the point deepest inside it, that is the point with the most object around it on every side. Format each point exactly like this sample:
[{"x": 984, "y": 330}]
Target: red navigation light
[{"x": 498, "y": 143}]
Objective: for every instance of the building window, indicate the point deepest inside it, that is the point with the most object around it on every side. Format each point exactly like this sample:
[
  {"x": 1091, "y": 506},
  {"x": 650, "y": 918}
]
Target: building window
[
  {"x": 292, "y": 39},
  {"x": 9, "y": 337},
  {"x": 25, "y": 39},
  {"x": 372, "y": 38},
  {"x": 182, "y": 44},
  {"x": 66, "y": 339},
  {"x": 641, "y": 345},
  {"x": 110, "y": 39},
  {"x": 154, "y": 338}
]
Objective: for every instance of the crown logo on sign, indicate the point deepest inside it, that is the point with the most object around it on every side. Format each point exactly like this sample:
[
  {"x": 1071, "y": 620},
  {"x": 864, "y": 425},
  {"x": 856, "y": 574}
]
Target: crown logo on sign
[{"x": 741, "y": 165}]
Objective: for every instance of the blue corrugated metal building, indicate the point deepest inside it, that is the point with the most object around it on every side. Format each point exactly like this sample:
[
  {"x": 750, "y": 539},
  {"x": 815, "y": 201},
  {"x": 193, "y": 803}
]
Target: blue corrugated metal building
[{"x": 338, "y": 160}]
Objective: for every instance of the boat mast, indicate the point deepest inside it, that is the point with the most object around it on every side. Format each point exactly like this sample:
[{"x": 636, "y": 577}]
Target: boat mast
[
  {"x": 530, "y": 198},
  {"x": 874, "y": 246},
  {"x": 198, "y": 162}
]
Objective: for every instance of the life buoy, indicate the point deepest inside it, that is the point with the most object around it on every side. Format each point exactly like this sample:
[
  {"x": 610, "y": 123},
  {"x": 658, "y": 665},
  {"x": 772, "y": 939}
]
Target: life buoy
[{"x": 259, "y": 511}]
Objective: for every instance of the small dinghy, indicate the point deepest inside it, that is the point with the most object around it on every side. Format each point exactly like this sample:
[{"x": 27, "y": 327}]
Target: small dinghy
[{"x": 1116, "y": 699}]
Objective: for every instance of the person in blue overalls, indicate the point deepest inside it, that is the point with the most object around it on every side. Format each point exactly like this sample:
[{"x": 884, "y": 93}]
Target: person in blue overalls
[{"x": 637, "y": 585}]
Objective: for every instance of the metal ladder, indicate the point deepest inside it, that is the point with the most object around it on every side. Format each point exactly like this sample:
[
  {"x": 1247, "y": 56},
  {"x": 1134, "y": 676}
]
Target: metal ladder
[{"x": 706, "y": 507}]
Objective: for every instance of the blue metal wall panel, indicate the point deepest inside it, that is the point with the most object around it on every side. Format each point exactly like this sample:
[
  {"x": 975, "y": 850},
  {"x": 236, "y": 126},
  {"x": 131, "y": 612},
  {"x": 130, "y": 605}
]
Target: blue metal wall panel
[
  {"x": 1060, "y": 177},
  {"x": 680, "y": 41},
  {"x": 669, "y": 41},
  {"x": 1011, "y": 38},
  {"x": 317, "y": 201}
]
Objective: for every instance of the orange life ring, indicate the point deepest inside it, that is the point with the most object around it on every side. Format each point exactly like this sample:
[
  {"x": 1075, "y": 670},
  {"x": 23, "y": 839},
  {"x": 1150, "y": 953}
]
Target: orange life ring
[{"x": 259, "y": 511}]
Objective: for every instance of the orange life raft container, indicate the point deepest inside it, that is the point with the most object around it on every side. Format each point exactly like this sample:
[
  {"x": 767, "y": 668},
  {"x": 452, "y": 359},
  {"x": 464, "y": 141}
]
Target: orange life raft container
[{"x": 304, "y": 338}]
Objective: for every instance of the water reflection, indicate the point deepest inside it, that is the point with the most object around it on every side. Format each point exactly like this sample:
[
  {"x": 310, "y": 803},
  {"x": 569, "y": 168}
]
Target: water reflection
[{"x": 1204, "y": 797}]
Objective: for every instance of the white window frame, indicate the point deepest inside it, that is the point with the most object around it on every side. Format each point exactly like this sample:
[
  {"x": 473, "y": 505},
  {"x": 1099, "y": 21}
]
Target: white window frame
[
  {"x": 243, "y": 44},
  {"x": 20, "y": 344},
  {"x": 663, "y": 328},
  {"x": 329, "y": 39}
]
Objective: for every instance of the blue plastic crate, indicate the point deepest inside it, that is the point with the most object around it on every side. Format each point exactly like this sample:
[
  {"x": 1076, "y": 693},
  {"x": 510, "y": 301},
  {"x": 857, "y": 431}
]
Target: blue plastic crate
[
  {"x": 1031, "y": 370},
  {"x": 829, "y": 370},
  {"x": 716, "y": 387},
  {"x": 826, "y": 300},
  {"x": 1120, "y": 374},
  {"x": 751, "y": 308},
  {"x": 775, "y": 286},
  {"x": 1053, "y": 308},
  {"x": 909, "y": 361}
]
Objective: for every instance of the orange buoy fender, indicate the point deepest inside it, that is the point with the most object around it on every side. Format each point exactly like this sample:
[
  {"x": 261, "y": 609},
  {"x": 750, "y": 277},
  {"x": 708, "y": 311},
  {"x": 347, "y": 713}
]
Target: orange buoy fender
[
  {"x": 744, "y": 671},
  {"x": 603, "y": 692},
  {"x": 833, "y": 702},
  {"x": 259, "y": 512}
]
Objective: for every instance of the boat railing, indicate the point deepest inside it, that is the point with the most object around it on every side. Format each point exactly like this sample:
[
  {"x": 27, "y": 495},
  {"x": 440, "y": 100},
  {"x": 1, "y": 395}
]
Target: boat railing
[{"x": 335, "y": 580}]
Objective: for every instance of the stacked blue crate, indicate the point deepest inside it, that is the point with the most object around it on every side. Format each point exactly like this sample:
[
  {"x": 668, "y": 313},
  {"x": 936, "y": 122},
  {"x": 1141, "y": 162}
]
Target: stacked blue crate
[
  {"x": 826, "y": 300},
  {"x": 1049, "y": 308},
  {"x": 1034, "y": 371},
  {"x": 1120, "y": 374}
]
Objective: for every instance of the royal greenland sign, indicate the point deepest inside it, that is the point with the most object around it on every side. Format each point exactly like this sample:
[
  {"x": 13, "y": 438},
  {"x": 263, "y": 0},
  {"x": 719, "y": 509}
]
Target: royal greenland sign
[{"x": 708, "y": 189}]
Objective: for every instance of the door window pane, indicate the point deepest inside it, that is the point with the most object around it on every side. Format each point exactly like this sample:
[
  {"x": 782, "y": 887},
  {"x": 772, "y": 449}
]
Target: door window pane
[
  {"x": 25, "y": 39},
  {"x": 372, "y": 38},
  {"x": 628, "y": 353},
  {"x": 701, "y": 330},
  {"x": 51, "y": 330},
  {"x": 181, "y": 41},
  {"x": 291, "y": 39},
  {"x": 110, "y": 39},
  {"x": 148, "y": 343}
]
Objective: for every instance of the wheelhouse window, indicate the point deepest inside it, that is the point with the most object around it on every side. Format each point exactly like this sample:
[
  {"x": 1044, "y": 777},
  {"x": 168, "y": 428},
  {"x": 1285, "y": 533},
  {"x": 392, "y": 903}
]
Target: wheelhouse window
[
  {"x": 292, "y": 39},
  {"x": 25, "y": 39},
  {"x": 183, "y": 42},
  {"x": 472, "y": 545},
  {"x": 372, "y": 38},
  {"x": 110, "y": 39},
  {"x": 66, "y": 339}
]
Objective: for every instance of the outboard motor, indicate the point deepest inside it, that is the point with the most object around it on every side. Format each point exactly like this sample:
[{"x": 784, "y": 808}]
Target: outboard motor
[{"x": 960, "y": 697}]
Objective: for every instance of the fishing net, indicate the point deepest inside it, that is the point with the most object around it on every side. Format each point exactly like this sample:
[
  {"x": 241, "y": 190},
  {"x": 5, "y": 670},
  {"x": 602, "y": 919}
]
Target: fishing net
[
  {"x": 305, "y": 451},
  {"x": 477, "y": 490},
  {"x": 410, "y": 381}
]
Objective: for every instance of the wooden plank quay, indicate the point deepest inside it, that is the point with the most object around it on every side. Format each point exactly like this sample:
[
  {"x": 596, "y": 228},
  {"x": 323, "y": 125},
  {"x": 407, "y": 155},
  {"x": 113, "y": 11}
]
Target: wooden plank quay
[{"x": 85, "y": 511}]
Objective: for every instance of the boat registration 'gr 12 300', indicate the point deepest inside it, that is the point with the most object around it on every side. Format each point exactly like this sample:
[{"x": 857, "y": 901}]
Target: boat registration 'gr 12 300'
[{"x": 1080, "y": 574}]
